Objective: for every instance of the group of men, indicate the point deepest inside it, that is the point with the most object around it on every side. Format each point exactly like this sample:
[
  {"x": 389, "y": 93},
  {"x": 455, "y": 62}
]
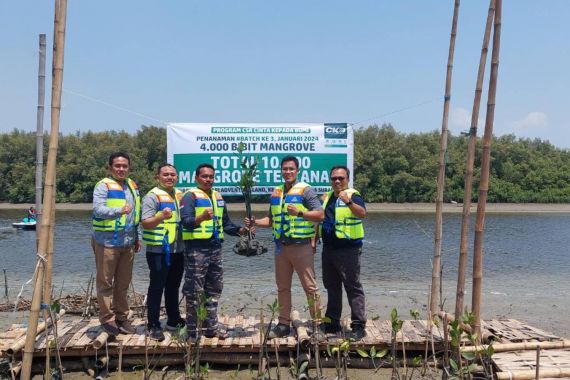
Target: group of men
[{"x": 184, "y": 232}]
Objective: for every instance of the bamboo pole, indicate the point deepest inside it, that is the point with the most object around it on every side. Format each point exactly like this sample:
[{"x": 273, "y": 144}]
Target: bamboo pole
[
  {"x": 537, "y": 376},
  {"x": 436, "y": 265},
  {"x": 524, "y": 346},
  {"x": 49, "y": 193},
  {"x": 101, "y": 339},
  {"x": 460, "y": 294},
  {"x": 484, "y": 181},
  {"x": 19, "y": 344},
  {"x": 40, "y": 130},
  {"x": 302, "y": 335},
  {"x": 529, "y": 374}
]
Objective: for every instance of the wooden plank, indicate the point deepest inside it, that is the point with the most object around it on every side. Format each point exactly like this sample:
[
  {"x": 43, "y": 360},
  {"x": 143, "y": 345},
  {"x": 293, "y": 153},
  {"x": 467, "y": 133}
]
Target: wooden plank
[{"x": 70, "y": 335}]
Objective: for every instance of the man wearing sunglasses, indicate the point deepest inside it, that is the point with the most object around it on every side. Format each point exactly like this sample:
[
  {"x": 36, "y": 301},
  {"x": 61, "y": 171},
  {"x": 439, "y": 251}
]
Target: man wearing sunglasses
[{"x": 342, "y": 234}]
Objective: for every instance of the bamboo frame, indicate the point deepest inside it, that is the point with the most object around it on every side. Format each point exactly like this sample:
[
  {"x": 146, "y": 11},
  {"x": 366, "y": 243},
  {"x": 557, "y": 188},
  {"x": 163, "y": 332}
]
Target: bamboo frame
[
  {"x": 47, "y": 220},
  {"x": 463, "y": 246},
  {"x": 484, "y": 182},
  {"x": 19, "y": 344},
  {"x": 436, "y": 264}
]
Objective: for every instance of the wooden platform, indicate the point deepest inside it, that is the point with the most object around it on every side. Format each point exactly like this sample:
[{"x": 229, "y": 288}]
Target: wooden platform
[{"x": 76, "y": 337}]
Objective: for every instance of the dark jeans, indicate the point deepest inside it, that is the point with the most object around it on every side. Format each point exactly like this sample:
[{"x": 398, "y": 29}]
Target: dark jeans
[
  {"x": 165, "y": 280},
  {"x": 342, "y": 267}
]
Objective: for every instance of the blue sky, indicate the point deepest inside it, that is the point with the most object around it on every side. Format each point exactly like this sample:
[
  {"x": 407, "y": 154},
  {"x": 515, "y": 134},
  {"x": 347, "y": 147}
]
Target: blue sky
[{"x": 129, "y": 63}]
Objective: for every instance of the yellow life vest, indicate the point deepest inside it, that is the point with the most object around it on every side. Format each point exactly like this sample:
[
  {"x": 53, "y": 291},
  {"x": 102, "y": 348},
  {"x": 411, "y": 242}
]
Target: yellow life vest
[
  {"x": 168, "y": 227},
  {"x": 207, "y": 228},
  {"x": 285, "y": 224},
  {"x": 116, "y": 198},
  {"x": 346, "y": 224}
]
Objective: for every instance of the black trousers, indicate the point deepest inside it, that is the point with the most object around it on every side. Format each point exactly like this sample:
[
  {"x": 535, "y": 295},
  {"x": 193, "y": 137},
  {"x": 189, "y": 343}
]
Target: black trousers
[
  {"x": 165, "y": 280},
  {"x": 341, "y": 266}
]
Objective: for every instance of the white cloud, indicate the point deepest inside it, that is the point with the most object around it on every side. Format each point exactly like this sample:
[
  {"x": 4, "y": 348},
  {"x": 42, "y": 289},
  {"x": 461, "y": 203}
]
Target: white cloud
[
  {"x": 460, "y": 120},
  {"x": 531, "y": 121}
]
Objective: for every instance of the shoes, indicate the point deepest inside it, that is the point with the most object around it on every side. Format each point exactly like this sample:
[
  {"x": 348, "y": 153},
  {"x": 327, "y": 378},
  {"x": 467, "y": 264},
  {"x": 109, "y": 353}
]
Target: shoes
[
  {"x": 175, "y": 325},
  {"x": 126, "y": 327},
  {"x": 357, "y": 333},
  {"x": 217, "y": 334},
  {"x": 191, "y": 339},
  {"x": 155, "y": 333},
  {"x": 330, "y": 328},
  {"x": 110, "y": 328},
  {"x": 279, "y": 331}
]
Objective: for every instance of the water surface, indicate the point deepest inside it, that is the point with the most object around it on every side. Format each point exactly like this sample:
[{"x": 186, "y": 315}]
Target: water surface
[{"x": 526, "y": 265}]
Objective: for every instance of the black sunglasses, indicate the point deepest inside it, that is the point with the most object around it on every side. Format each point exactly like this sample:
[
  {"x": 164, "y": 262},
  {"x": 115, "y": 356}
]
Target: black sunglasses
[{"x": 338, "y": 178}]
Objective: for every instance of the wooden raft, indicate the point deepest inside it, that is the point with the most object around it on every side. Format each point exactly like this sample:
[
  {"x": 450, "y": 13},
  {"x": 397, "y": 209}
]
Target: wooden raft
[{"x": 76, "y": 337}]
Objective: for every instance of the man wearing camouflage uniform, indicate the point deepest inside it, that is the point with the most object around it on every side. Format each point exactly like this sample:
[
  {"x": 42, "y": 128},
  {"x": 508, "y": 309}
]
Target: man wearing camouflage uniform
[{"x": 204, "y": 219}]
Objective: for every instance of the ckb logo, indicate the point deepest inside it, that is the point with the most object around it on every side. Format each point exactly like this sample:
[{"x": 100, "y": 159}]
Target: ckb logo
[{"x": 335, "y": 131}]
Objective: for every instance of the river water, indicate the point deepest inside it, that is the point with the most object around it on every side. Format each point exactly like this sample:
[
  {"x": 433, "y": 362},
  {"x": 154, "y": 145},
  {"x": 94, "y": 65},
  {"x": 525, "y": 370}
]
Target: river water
[{"x": 526, "y": 265}]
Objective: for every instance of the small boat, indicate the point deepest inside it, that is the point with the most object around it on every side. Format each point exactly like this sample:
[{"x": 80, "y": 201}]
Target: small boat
[{"x": 25, "y": 224}]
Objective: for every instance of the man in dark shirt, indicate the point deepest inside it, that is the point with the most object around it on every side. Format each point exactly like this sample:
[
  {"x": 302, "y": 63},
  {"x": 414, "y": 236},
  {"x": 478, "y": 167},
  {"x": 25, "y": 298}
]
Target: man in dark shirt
[
  {"x": 204, "y": 219},
  {"x": 342, "y": 234}
]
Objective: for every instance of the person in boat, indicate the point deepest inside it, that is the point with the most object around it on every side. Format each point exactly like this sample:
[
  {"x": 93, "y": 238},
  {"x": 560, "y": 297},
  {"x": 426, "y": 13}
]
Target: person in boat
[
  {"x": 160, "y": 218},
  {"x": 32, "y": 214},
  {"x": 205, "y": 219},
  {"x": 116, "y": 214},
  {"x": 342, "y": 234},
  {"x": 294, "y": 210}
]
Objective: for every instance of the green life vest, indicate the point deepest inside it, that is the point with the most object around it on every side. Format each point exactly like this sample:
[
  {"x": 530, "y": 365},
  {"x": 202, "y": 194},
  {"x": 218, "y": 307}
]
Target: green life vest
[
  {"x": 346, "y": 224},
  {"x": 285, "y": 224},
  {"x": 207, "y": 228},
  {"x": 116, "y": 198},
  {"x": 167, "y": 227}
]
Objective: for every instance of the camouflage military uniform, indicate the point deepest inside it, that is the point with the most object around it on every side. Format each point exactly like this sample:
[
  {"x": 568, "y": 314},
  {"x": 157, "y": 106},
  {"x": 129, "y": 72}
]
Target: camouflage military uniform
[{"x": 203, "y": 274}]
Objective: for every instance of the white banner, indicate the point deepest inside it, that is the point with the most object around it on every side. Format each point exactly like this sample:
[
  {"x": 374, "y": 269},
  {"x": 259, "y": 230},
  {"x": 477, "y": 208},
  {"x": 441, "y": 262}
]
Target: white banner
[{"x": 318, "y": 147}]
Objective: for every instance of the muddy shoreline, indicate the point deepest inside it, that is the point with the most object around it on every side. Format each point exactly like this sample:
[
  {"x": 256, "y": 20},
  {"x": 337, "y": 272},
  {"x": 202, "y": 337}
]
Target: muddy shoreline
[{"x": 455, "y": 208}]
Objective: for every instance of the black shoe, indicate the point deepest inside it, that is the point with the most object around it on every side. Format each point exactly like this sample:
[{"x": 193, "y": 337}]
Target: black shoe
[
  {"x": 110, "y": 328},
  {"x": 175, "y": 325},
  {"x": 126, "y": 327},
  {"x": 330, "y": 328},
  {"x": 357, "y": 333},
  {"x": 279, "y": 331},
  {"x": 155, "y": 333},
  {"x": 191, "y": 339},
  {"x": 217, "y": 334}
]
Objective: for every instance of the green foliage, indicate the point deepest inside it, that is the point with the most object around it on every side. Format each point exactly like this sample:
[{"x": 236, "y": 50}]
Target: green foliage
[
  {"x": 395, "y": 167},
  {"x": 396, "y": 322},
  {"x": 389, "y": 166}
]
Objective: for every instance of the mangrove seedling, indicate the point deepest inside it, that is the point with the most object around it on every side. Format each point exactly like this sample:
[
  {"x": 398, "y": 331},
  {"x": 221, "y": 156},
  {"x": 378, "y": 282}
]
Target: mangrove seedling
[
  {"x": 373, "y": 354},
  {"x": 248, "y": 245}
]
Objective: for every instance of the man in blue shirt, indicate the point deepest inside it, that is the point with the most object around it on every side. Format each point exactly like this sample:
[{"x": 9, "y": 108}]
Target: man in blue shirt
[{"x": 116, "y": 214}]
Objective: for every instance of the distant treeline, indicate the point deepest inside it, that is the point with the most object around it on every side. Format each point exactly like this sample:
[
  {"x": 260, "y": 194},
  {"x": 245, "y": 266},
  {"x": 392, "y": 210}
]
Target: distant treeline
[{"x": 389, "y": 166}]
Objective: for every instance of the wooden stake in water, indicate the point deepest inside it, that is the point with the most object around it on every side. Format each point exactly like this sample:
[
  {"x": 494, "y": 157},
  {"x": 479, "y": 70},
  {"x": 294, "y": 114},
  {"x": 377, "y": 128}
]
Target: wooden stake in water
[
  {"x": 484, "y": 182},
  {"x": 6, "y": 286},
  {"x": 40, "y": 131},
  {"x": 436, "y": 264},
  {"x": 471, "y": 144},
  {"x": 47, "y": 219}
]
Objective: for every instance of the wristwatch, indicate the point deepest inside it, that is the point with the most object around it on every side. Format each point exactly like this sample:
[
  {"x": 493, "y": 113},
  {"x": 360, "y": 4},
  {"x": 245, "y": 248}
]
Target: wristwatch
[
  {"x": 300, "y": 214},
  {"x": 349, "y": 202}
]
